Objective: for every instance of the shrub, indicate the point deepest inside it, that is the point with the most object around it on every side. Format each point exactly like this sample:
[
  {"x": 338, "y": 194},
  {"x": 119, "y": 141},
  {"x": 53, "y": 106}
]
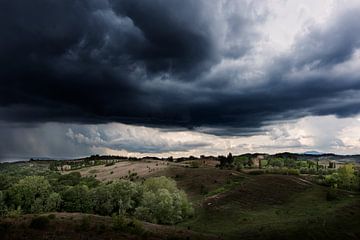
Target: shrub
[
  {"x": 109, "y": 164},
  {"x": 195, "y": 164},
  {"x": 133, "y": 226},
  {"x": 332, "y": 180},
  {"x": 293, "y": 171},
  {"x": 41, "y": 222},
  {"x": 304, "y": 170},
  {"x": 119, "y": 223},
  {"x": 13, "y": 213}
]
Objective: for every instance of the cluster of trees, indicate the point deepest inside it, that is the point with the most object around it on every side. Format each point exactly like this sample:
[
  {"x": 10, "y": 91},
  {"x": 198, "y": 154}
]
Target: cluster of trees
[
  {"x": 226, "y": 162},
  {"x": 345, "y": 178},
  {"x": 156, "y": 200}
]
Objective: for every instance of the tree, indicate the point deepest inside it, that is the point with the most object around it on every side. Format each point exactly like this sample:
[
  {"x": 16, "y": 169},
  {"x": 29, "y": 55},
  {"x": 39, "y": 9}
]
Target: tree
[
  {"x": 347, "y": 176},
  {"x": 53, "y": 202},
  {"x": 70, "y": 179},
  {"x": 102, "y": 200},
  {"x": 230, "y": 159},
  {"x": 226, "y": 161},
  {"x": 276, "y": 162},
  {"x": 126, "y": 196},
  {"x": 290, "y": 163},
  {"x": 2, "y": 203},
  {"x": 30, "y": 194},
  {"x": 5, "y": 181},
  {"x": 163, "y": 202},
  {"x": 77, "y": 199}
]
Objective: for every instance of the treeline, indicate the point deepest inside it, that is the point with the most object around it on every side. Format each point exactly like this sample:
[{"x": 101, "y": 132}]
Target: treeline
[
  {"x": 344, "y": 177},
  {"x": 156, "y": 200}
]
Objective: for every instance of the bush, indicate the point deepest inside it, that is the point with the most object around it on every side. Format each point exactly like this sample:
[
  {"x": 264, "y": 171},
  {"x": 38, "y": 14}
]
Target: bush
[
  {"x": 41, "y": 222},
  {"x": 119, "y": 223},
  {"x": 293, "y": 171},
  {"x": 133, "y": 226},
  {"x": 13, "y": 213},
  {"x": 195, "y": 164}
]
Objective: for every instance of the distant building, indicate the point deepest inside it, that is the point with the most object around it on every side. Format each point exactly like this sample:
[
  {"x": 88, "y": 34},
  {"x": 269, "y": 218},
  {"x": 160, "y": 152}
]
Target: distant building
[{"x": 65, "y": 167}]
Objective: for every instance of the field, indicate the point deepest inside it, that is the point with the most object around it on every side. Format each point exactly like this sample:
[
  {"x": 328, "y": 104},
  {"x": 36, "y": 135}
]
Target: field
[
  {"x": 228, "y": 204},
  {"x": 123, "y": 169},
  {"x": 239, "y": 205}
]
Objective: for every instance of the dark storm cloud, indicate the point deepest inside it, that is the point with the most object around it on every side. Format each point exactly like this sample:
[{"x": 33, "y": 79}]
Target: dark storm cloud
[{"x": 152, "y": 63}]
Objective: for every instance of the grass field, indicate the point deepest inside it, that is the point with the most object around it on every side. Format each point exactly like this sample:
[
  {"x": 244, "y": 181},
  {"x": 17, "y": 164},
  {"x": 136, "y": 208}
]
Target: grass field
[
  {"x": 243, "y": 206},
  {"x": 122, "y": 169}
]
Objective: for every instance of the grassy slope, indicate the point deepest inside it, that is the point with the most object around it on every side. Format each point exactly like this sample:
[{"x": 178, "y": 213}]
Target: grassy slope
[
  {"x": 266, "y": 206},
  {"x": 87, "y": 226}
]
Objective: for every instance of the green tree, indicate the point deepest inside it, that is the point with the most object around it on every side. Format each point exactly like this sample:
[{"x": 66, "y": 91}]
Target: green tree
[
  {"x": 77, "y": 199},
  {"x": 53, "y": 202},
  {"x": 91, "y": 181},
  {"x": 5, "y": 181},
  {"x": 163, "y": 202},
  {"x": 30, "y": 194},
  {"x": 347, "y": 177},
  {"x": 70, "y": 179},
  {"x": 2, "y": 204},
  {"x": 276, "y": 162},
  {"x": 126, "y": 196},
  {"x": 102, "y": 200}
]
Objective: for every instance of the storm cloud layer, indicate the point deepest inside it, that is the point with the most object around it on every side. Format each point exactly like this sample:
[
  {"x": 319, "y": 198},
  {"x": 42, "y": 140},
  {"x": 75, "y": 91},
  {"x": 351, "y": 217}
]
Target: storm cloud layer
[
  {"x": 177, "y": 63},
  {"x": 203, "y": 65}
]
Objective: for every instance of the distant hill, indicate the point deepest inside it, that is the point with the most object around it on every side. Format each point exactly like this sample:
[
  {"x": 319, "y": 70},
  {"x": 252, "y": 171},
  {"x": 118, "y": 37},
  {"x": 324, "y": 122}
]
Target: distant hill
[{"x": 313, "y": 153}]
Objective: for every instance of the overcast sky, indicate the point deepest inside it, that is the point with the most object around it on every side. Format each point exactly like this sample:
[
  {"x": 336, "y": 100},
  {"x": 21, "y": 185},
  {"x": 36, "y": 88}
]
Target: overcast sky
[{"x": 178, "y": 77}]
